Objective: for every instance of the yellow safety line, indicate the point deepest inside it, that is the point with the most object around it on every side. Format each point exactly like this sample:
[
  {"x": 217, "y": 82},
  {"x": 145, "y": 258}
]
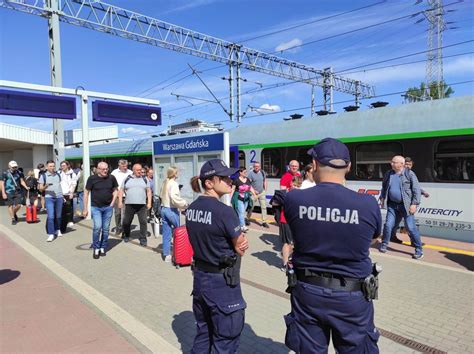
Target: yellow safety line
[{"x": 447, "y": 249}]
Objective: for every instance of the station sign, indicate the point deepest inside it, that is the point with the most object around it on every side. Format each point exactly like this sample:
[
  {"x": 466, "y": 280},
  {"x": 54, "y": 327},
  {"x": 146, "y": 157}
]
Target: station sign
[
  {"x": 192, "y": 144},
  {"x": 19, "y": 103},
  {"x": 125, "y": 113}
]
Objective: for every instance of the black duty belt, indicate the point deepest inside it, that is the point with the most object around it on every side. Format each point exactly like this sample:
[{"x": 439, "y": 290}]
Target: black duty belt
[
  {"x": 327, "y": 280},
  {"x": 207, "y": 267}
]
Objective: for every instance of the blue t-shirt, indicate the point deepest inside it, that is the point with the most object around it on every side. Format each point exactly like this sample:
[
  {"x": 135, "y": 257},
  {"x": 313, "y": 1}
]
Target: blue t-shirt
[
  {"x": 211, "y": 227},
  {"x": 12, "y": 180},
  {"x": 332, "y": 229},
  {"x": 395, "y": 189}
]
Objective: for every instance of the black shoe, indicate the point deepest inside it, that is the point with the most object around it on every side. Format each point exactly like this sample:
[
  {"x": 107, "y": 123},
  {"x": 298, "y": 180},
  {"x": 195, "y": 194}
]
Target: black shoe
[
  {"x": 16, "y": 217},
  {"x": 126, "y": 239},
  {"x": 247, "y": 222},
  {"x": 396, "y": 240},
  {"x": 95, "y": 254},
  {"x": 265, "y": 225},
  {"x": 14, "y": 221},
  {"x": 143, "y": 244},
  {"x": 103, "y": 253},
  {"x": 118, "y": 231}
]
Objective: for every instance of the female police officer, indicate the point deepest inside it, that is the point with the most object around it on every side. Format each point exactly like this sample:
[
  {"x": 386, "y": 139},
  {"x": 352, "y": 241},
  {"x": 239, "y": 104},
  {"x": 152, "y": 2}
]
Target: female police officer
[{"x": 218, "y": 243}]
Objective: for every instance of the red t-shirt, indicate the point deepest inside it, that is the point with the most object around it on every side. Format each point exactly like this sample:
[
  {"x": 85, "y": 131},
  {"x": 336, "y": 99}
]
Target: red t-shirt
[{"x": 286, "y": 179}]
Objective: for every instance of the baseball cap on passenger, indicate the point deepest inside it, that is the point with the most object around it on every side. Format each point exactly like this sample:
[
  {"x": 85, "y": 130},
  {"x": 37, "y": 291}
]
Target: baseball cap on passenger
[
  {"x": 216, "y": 167},
  {"x": 331, "y": 152},
  {"x": 12, "y": 164}
]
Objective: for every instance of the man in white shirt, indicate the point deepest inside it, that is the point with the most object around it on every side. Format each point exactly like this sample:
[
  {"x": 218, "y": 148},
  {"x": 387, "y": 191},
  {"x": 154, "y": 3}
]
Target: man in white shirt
[{"x": 120, "y": 174}]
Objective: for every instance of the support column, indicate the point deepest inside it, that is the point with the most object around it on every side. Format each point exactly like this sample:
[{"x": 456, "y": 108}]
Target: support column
[
  {"x": 239, "y": 113},
  {"x": 231, "y": 92},
  {"x": 56, "y": 75}
]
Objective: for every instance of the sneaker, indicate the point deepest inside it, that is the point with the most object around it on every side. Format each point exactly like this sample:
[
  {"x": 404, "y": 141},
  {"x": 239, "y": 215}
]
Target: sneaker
[
  {"x": 14, "y": 222},
  {"x": 102, "y": 252},
  {"x": 383, "y": 248},
  {"x": 96, "y": 254},
  {"x": 247, "y": 222},
  {"x": 143, "y": 244},
  {"x": 168, "y": 259},
  {"x": 396, "y": 240},
  {"x": 418, "y": 255},
  {"x": 50, "y": 238},
  {"x": 59, "y": 233},
  {"x": 265, "y": 225},
  {"x": 126, "y": 239},
  {"x": 71, "y": 225}
]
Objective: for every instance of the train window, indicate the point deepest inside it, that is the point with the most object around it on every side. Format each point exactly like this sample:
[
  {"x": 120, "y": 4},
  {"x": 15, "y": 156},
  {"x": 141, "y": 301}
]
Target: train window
[
  {"x": 303, "y": 157},
  {"x": 241, "y": 158},
  {"x": 272, "y": 162},
  {"x": 373, "y": 159},
  {"x": 454, "y": 160}
]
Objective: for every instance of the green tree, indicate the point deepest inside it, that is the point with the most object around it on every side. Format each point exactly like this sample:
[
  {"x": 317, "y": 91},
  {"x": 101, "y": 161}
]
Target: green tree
[{"x": 415, "y": 94}]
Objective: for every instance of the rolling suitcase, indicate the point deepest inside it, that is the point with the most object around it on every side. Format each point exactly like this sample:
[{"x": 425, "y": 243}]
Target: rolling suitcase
[
  {"x": 31, "y": 215},
  {"x": 182, "y": 249}
]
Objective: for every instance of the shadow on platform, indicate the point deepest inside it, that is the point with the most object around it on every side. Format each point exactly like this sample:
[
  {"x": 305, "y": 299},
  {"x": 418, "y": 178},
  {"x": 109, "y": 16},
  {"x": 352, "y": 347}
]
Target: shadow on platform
[
  {"x": 271, "y": 258},
  {"x": 249, "y": 341},
  {"x": 462, "y": 259},
  {"x": 273, "y": 240},
  {"x": 7, "y": 275}
]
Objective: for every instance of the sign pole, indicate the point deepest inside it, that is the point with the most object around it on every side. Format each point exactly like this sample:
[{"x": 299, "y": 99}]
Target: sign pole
[{"x": 86, "y": 163}]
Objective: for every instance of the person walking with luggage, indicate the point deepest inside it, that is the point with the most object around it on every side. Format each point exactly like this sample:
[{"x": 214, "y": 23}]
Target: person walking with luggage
[
  {"x": 242, "y": 195},
  {"x": 39, "y": 170},
  {"x": 171, "y": 202},
  {"x": 103, "y": 190},
  {"x": 137, "y": 201},
  {"x": 218, "y": 243},
  {"x": 258, "y": 179},
  {"x": 68, "y": 185},
  {"x": 50, "y": 184},
  {"x": 120, "y": 173},
  {"x": 11, "y": 182},
  {"x": 331, "y": 277}
]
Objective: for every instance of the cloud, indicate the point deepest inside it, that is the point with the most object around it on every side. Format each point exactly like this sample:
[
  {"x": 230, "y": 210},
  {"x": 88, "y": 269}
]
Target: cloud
[
  {"x": 287, "y": 45},
  {"x": 132, "y": 130},
  {"x": 186, "y": 5},
  {"x": 267, "y": 108}
]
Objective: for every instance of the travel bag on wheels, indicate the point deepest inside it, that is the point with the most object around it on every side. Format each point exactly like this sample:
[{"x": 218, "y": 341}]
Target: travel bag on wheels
[
  {"x": 182, "y": 249},
  {"x": 31, "y": 212}
]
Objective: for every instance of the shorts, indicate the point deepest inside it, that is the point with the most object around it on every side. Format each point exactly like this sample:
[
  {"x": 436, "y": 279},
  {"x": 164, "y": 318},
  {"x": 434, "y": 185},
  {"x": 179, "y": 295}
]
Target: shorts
[
  {"x": 285, "y": 234},
  {"x": 14, "y": 199}
]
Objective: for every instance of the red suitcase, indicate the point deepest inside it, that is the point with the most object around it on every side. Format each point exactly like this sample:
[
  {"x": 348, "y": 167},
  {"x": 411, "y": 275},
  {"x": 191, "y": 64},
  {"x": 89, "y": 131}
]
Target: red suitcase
[
  {"x": 31, "y": 216},
  {"x": 182, "y": 249}
]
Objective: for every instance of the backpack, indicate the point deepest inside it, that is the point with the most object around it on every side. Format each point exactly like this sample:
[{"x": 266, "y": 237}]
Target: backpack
[{"x": 129, "y": 177}]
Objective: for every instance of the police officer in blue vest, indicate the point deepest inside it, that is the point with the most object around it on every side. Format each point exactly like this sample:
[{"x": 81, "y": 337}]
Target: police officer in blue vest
[
  {"x": 331, "y": 275},
  {"x": 218, "y": 244}
]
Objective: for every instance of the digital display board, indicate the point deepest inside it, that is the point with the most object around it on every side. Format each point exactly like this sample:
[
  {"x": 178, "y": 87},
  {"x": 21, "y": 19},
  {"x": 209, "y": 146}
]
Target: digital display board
[
  {"x": 125, "y": 113},
  {"x": 18, "y": 103}
]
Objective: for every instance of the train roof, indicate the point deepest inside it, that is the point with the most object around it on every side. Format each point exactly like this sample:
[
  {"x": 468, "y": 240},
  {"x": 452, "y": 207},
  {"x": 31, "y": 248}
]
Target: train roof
[{"x": 447, "y": 117}]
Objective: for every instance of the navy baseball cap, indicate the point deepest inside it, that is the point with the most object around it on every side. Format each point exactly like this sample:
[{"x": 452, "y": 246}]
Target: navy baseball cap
[
  {"x": 331, "y": 152},
  {"x": 216, "y": 167}
]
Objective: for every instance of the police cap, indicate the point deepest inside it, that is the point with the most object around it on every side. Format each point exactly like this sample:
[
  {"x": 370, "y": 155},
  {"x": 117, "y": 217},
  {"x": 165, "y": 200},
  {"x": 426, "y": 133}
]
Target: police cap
[
  {"x": 331, "y": 152},
  {"x": 216, "y": 167}
]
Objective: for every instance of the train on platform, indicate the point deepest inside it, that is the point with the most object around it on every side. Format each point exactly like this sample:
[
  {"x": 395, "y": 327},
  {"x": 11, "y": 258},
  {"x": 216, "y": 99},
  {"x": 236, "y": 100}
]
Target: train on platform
[{"x": 438, "y": 135}]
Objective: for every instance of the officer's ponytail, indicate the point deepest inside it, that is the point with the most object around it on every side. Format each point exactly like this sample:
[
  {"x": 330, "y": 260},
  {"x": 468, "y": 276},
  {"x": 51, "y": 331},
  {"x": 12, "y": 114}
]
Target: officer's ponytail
[{"x": 195, "y": 185}]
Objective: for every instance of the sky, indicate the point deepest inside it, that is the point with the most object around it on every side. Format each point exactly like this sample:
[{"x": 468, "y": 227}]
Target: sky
[{"x": 358, "y": 39}]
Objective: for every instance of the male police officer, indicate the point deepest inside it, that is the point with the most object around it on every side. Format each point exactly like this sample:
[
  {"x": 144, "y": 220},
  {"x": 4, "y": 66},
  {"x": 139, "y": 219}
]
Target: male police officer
[{"x": 332, "y": 228}]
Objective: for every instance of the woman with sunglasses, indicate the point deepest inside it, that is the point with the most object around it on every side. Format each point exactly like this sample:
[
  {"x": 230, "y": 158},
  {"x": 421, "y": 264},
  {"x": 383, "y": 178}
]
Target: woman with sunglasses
[{"x": 218, "y": 243}]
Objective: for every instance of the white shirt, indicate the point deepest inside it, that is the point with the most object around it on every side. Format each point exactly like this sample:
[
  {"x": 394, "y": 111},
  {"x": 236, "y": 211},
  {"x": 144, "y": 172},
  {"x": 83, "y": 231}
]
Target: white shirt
[
  {"x": 307, "y": 184},
  {"x": 120, "y": 176}
]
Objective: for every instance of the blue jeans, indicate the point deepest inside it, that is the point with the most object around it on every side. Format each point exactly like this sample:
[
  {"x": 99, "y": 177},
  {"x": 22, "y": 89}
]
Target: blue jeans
[
  {"x": 54, "y": 209},
  {"x": 241, "y": 207},
  {"x": 101, "y": 217},
  {"x": 395, "y": 212},
  {"x": 79, "y": 200},
  {"x": 170, "y": 219}
]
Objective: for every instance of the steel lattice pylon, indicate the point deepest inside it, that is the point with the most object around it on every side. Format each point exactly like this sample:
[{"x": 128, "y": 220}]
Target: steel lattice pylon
[{"x": 114, "y": 20}]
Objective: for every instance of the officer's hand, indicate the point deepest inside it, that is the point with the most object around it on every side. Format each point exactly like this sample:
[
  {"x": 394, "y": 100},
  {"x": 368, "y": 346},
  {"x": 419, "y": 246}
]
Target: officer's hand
[
  {"x": 412, "y": 209},
  {"x": 244, "y": 245}
]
